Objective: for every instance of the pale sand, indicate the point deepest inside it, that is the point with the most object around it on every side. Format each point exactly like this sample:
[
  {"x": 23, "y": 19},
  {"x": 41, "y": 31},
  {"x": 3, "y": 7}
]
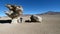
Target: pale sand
[{"x": 50, "y": 25}]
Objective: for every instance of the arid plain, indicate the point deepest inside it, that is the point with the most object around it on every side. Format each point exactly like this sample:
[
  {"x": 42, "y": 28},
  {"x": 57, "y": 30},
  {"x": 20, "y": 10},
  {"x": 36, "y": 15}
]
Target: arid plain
[{"x": 49, "y": 25}]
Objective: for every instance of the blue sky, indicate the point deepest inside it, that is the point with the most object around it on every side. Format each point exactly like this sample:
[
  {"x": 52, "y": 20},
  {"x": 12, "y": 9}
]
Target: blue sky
[{"x": 32, "y": 6}]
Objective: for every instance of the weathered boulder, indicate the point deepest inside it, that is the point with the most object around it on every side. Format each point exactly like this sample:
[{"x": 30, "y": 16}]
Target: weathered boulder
[{"x": 35, "y": 18}]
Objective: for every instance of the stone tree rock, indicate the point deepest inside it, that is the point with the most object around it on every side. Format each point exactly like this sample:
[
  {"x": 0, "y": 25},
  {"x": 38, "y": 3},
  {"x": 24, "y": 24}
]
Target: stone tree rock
[
  {"x": 35, "y": 18},
  {"x": 14, "y": 12}
]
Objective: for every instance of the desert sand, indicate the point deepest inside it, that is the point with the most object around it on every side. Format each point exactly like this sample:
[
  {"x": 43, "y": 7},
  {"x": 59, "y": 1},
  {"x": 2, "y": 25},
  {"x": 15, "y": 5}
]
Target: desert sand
[{"x": 49, "y": 25}]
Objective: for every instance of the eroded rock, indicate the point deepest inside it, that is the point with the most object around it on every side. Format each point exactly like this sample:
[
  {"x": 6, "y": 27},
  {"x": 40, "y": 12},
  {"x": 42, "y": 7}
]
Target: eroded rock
[{"x": 35, "y": 18}]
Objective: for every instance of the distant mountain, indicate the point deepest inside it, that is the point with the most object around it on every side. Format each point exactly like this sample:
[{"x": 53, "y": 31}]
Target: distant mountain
[
  {"x": 46, "y": 13},
  {"x": 50, "y": 13}
]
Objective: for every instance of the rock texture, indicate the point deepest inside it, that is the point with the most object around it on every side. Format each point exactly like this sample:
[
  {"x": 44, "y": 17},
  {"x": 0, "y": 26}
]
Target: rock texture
[
  {"x": 35, "y": 18},
  {"x": 14, "y": 11}
]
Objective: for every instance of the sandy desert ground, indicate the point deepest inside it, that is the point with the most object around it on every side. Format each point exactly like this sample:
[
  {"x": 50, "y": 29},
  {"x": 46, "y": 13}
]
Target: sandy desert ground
[{"x": 49, "y": 25}]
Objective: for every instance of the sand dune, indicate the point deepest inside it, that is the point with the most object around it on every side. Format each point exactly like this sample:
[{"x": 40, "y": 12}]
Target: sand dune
[{"x": 50, "y": 25}]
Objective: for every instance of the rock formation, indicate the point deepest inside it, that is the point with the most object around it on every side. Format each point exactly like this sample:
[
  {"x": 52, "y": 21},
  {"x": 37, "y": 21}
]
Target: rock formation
[
  {"x": 35, "y": 18},
  {"x": 14, "y": 12}
]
